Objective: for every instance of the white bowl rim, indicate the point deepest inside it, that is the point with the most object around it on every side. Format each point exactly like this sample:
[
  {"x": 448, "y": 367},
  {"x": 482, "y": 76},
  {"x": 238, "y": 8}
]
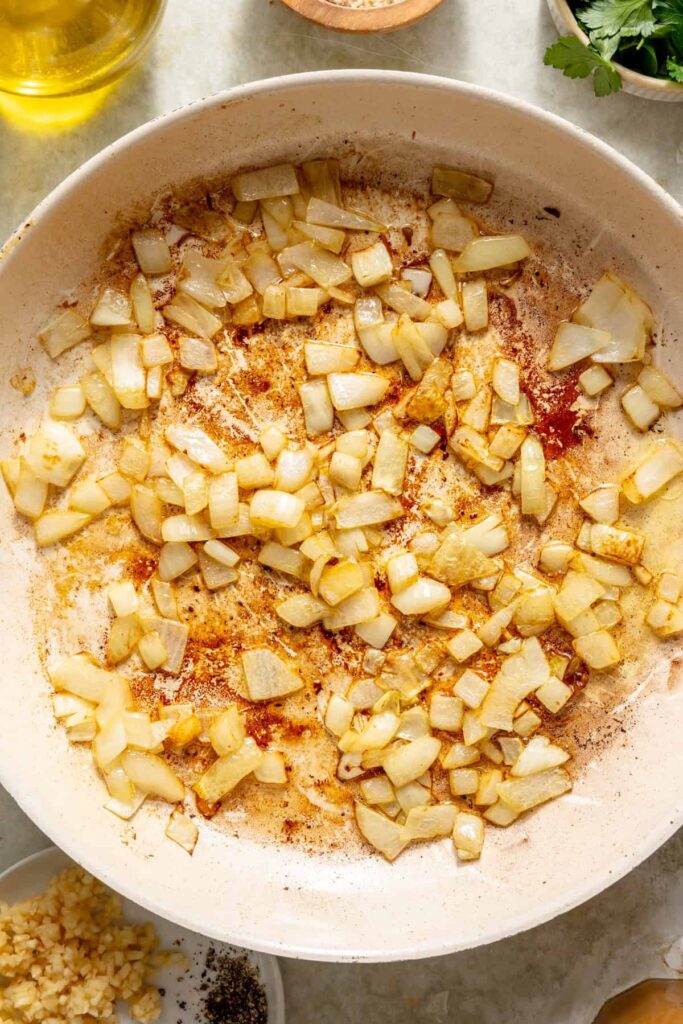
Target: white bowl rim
[
  {"x": 639, "y": 82},
  {"x": 31, "y": 802}
]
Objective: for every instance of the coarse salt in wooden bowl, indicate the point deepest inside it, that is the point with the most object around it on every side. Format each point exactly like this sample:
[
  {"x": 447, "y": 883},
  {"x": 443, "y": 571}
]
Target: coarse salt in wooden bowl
[{"x": 362, "y": 16}]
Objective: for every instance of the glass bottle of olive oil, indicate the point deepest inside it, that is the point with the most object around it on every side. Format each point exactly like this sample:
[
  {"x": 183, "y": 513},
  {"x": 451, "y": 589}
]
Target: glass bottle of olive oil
[{"x": 62, "y": 47}]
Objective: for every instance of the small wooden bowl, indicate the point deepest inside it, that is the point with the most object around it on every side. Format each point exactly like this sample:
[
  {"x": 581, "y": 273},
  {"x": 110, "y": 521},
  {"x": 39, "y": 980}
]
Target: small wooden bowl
[{"x": 363, "y": 19}]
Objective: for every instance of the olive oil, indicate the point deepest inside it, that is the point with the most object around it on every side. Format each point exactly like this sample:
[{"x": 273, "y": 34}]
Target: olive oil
[
  {"x": 651, "y": 1002},
  {"x": 62, "y": 47}
]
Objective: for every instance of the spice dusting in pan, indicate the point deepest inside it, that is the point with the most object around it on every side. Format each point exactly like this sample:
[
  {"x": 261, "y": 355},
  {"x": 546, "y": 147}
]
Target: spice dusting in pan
[{"x": 352, "y": 505}]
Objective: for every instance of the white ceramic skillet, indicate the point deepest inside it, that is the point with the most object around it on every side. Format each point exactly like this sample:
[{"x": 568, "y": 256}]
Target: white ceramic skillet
[{"x": 628, "y": 798}]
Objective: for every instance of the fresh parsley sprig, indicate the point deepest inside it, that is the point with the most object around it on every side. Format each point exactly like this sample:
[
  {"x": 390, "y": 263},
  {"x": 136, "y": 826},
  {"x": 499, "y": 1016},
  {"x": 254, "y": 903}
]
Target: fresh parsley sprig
[{"x": 645, "y": 35}]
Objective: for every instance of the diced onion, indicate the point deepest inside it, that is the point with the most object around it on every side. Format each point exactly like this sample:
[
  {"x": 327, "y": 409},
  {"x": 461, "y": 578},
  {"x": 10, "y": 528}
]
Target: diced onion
[
  {"x": 63, "y": 332},
  {"x": 267, "y": 676},
  {"x": 491, "y": 251},
  {"x": 151, "y": 251},
  {"x": 448, "y": 181},
  {"x": 574, "y": 342}
]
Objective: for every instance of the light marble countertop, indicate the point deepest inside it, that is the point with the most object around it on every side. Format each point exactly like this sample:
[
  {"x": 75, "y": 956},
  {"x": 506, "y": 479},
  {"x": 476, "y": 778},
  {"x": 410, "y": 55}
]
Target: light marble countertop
[{"x": 557, "y": 973}]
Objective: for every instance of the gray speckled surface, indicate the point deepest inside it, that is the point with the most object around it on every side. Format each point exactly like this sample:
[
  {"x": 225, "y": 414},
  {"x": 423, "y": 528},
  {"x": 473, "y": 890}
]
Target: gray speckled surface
[{"x": 558, "y": 973}]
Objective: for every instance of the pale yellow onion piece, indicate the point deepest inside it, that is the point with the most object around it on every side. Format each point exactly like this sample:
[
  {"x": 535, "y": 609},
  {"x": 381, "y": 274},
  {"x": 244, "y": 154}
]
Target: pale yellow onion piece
[
  {"x": 301, "y": 610},
  {"x": 272, "y": 770},
  {"x": 152, "y": 775},
  {"x": 267, "y": 676},
  {"x": 128, "y": 373},
  {"x": 506, "y": 380},
  {"x": 377, "y": 790},
  {"x": 174, "y": 636},
  {"x": 378, "y": 342},
  {"x": 268, "y": 182},
  {"x": 234, "y": 284},
  {"x": 367, "y": 509},
  {"x": 377, "y": 631},
  {"x": 373, "y": 265},
  {"x": 475, "y": 304},
  {"x": 659, "y": 388},
  {"x": 534, "y": 611},
  {"x": 463, "y": 781},
  {"x": 142, "y": 304},
  {"x": 317, "y": 407},
  {"x": 423, "y": 597},
  {"x": 449, "y": 181},
  {"x": 112, "y": 309},
  {"x": 539, "y": 755},
  {"x": 272, "y": 440},
  {"x": 488, "y": 252},
  {"x": 639, "y": 407},
  {"x": 489, "y": 535},
  {"x": 199, "y": 447},
  {"x": 443, "y": 272},
  {"x": 109, "y": 743},
  {"x": 200, "y": 281},
  {"x": 254, "y": 471},
  {"x": 662, "y": 464},
  {"x": 135, "y": 460},
  {"x": 403, "y": 301},
  {"x": 610, "y": 574},
  {"x": 185, "y": 528},
  {"x": 411, "y": 760},
  {"x": 303, "y": 301},
  {"x": 402, "y": 570},
  {"x": 462, "y": 385},
  {"x": 227, "y": 731},
  {"x": 420, "y": 279},
  {"x": 619, "y": 545},
  {"x": 456, "y": 561},
  {"x": 355, "y": 390},
  {"x": 196, "y": 492},
  {"x": 116, "y": 487},
  {"x": 382, "y": 833},
  {"x": 30, "y": 494},
  {"x": 464, "y": 644},
  {"x": 125, "y": 809},
  {"x": 614, "y": 307},
  {"x": 448, "y": 313},
  {"x": 215, "y": 574},
  {"x": 192, "y": 316},
  {"x": 598, "y": 650},
  {"x": 154, "y": 385},
  {"x": 182, "y": 830},
  {"x": 471, "y": 688},
  {"x": 532, "y": 463},
  {"x": 330, "y": 238},
  {"x": 413, "y": 350},
  {"x": 102, "y": 400},
  {"x": 579, "y": 591},
  {"x": 446, "y": 712},
  {"x": 54, "y": 453},
  {"x": 222, "y": 553},
  {"x": 55, "y": 525},
  {"x": 361, "y": 607},
  {"x": 424, "y": 438},
  {"x": 523, "y": 794},
  {"x": 321, "y": 265},
  {"x": 151, "y": 251},
  {"x": 67, "y": 403},
  {"x": 520, "y": 675},
  {"x": 283, "y": 559},
  {"x": 152, "y": 650},
  {"x": 223, "y": 501},
  {"x": 345, "y": 470},
  {"x": 274, "y": 509},
  {"x": 328, "y": 215},
  {"x": 123, "y": 597},
  {"x": 175, "y": 559},
  {"x": 450, "y": 230},
  {"x": 391, "y": 460},
  {"x": 293, "y": 469},
  {"x": 80, "y": 676},
  {"x": 322, "y": 359},
  {"x": 376, "y": 734},
  {"x": 554, "y": 694},
  {"x": 433, "y": 822},
  {"x": 574, "y": 342},
  {"x": 64, "y": 331},
  {"x": 602, "y": 503},
  {"x": 595, "y": 380},
  {"x": 338, "y": 582},
  {"x": 507, "y": 440},
  {"x": 198, "y": 355}
]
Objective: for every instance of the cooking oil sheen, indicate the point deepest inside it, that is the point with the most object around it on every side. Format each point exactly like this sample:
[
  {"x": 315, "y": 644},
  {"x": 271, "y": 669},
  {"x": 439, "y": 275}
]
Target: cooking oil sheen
[{"x": 62, "y": 47}]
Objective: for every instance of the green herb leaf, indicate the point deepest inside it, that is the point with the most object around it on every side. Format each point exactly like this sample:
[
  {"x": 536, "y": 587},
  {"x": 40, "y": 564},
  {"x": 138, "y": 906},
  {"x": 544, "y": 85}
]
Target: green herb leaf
[
  {"x": 575, "y": 60},
  {"x": 674, "y": 70},
  {"x": 607, "y": 18},
  {"x": 669, "y": 14}
]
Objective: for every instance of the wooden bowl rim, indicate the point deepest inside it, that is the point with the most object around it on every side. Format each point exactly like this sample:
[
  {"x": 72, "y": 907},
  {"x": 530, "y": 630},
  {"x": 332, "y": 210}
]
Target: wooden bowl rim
[{"x": 358, "y": 19}]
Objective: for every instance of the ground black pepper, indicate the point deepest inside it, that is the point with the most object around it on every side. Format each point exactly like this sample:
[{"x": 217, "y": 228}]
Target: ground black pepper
[{"x": 233, "y": 990}]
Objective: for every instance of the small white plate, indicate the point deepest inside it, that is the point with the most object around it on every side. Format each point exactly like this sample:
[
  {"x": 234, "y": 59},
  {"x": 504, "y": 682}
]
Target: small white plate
[{"x": 182, "y": 1001}]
